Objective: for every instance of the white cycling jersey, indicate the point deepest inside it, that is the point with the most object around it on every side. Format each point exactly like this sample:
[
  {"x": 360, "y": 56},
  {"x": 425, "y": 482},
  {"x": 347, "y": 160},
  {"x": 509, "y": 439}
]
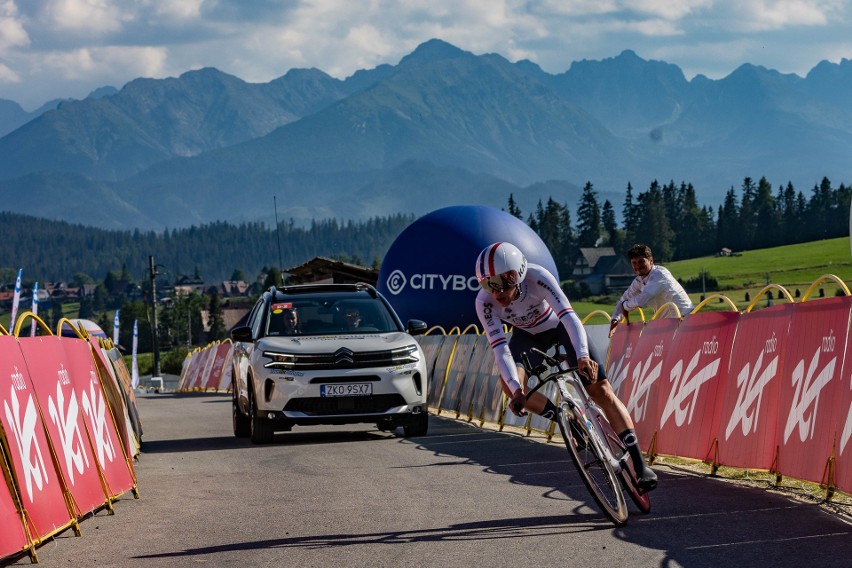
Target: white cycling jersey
[
  {"x": 540, "y": 306},
  {"x": 653, "y": 291}
]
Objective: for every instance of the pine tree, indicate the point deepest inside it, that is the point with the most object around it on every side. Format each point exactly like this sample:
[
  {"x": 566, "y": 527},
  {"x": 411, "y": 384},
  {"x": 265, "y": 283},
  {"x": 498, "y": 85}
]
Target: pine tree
[
  {"x": 654, "y": 229},
  {"x": 614, "y": 236},
  {"x": 766, "y": 216},
  {"x": 588, "y": 218},
  {"x": 514, "y": 210},
  {"x": 630, "y": 214},
  {"x": 727, "y": 222}
]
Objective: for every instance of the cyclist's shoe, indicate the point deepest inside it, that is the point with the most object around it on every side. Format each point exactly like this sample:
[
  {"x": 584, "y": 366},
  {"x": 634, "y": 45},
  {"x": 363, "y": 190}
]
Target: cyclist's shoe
[{"x": 646, "y": 479}]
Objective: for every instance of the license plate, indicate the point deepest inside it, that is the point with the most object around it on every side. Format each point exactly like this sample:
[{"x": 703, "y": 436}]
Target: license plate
[{"x": 354, "y": 389}]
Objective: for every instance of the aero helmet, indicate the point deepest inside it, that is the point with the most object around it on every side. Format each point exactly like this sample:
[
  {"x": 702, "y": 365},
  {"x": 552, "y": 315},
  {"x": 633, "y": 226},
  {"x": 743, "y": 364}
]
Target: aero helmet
[{"x": 500, "y": 266}]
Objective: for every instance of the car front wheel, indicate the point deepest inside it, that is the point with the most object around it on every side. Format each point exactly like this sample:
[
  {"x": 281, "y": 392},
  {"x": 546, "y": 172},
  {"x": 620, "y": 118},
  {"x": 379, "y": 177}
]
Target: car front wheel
[
  {"x": 417, "y": 426},
  {"x": 242, "y": 423},
  {"x": 261, "y": 428}
]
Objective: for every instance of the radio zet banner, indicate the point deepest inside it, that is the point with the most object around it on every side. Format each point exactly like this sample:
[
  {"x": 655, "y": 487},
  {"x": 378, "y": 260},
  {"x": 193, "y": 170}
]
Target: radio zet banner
[
  {"x": 843, "y": 422},
  {"x": 620, "y": 355},
  {"x": 811, "y": 385},
  {"x": 748, "y": 431},
  {"x": 40, "y": 489},
  {"x": 638, "y": 389},
  {"x": 694, "y": 378},
  {"x": 61, "y": 395},
  {"x": 102, "y": 429}
]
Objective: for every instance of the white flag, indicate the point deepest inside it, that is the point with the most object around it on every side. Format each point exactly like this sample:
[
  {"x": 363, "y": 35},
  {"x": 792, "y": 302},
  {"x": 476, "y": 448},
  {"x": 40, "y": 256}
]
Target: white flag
[
  {"x": 35, "y": 310},
  {"x": 15, "y": 301},
  {"x": 134, "y": 366},
  {"x": 115, "y": 328}
]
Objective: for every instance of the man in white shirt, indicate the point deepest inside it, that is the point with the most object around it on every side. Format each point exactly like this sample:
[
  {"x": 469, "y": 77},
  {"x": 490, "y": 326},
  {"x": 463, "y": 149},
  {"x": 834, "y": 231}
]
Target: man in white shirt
[{"x": 653, "y": 287}]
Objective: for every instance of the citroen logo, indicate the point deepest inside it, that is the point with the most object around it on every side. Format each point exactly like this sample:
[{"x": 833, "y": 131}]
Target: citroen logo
[{"x": 344, "y": 356}]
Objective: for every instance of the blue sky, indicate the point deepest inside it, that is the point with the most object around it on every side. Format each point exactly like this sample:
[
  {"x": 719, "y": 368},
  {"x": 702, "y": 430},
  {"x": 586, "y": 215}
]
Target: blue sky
[{"x": 67, "y": 48}]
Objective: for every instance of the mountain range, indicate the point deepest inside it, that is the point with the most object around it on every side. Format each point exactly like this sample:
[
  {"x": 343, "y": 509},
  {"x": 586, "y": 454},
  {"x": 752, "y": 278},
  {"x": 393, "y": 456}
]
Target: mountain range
[{"x": 442, "y": 127}]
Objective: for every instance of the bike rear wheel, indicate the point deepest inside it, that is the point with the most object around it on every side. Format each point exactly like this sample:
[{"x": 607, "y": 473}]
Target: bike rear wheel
[{"x": 596, "y": 472}]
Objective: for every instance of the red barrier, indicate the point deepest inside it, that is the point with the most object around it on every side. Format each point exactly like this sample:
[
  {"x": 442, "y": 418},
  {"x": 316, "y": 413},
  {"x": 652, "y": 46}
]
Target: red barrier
[
  {"x": 112, "y": 456},
  {"x": 198, "y": 372},
  {"x": 122, "y": 374},
  {"x": 58, "y": 392},
  {"x": 113, "y": 390},
  {"x": 639, "y": 385},
  {"x": 32, "y": 458},
  {"x": 842, "y": 418},
  {"x": 811, "y": 385},
  {"x": 13, "y": 539},
  {"x": 215, "y": 366},
  {"x": 695, "y": 375},
  {"x": 191, "y": 370},
  {"x": 223, "y": 358},
  {"x": 227, "y": 379},
  {"x": 620, "y": 354},
  {"x": 747, "y": 433}
]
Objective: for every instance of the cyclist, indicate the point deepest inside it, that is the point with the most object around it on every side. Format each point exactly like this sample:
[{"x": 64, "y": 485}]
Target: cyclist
[{"x": 527, "y": 297}]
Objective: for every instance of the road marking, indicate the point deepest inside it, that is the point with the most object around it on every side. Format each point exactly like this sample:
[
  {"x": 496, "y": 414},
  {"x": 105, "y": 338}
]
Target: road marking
[{"x": 766, "y": 541}]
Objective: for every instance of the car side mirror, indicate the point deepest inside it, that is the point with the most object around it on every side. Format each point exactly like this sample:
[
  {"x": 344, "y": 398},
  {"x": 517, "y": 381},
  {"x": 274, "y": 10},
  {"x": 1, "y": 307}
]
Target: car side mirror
[
  {"x": 242, "y": 334},
  {"x": 416, "y": 327}
]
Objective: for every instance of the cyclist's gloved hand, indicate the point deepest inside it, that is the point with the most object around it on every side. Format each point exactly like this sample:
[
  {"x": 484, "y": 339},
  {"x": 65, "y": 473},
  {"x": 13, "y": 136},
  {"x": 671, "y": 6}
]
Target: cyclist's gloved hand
[
  {"x": 588, "y": 367},
  {"x": 517, "y": 402}
]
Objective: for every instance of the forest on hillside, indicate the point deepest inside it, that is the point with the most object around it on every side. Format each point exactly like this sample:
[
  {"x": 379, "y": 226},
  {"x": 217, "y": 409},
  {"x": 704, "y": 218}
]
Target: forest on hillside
[
  {"x": 667, "y": 217},
  {"x": 54, "y": 251}
]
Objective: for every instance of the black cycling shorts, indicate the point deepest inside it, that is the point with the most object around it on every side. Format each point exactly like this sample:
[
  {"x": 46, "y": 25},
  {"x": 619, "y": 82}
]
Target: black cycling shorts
[{"x": 522, "y": 341}]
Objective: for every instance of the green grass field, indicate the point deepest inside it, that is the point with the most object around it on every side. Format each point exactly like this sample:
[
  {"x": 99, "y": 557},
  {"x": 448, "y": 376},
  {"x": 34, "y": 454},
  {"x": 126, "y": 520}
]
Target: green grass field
[{"x": 793, "y": 267}]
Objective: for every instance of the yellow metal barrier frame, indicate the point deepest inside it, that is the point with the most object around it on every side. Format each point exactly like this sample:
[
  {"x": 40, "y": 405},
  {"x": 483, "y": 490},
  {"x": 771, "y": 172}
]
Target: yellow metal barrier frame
[
  {"x": 664, "y": 307},
  {"x": 598, "y": 313},
  {"x": 766, "y": 289},
  {"x": 30, "y": 315},
  {"x": 822, "y": 278},
  {"x": 707, "y": 300}
]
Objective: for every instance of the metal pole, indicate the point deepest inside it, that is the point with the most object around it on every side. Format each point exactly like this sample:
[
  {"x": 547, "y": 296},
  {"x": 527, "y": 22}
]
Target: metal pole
[
  {"x": 154, "y": 331},
  {"x": 278, "y": 233}
]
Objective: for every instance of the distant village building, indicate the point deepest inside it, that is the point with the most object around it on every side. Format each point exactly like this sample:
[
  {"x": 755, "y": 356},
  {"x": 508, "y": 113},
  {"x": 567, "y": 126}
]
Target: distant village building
[
  {"x": 603, "y": 271},
  {"x": 321, "y": 270}
]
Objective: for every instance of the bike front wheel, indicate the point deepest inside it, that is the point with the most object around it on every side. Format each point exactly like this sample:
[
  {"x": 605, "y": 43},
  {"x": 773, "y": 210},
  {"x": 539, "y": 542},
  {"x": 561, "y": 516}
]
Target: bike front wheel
[{"x": 595, "y": 470}]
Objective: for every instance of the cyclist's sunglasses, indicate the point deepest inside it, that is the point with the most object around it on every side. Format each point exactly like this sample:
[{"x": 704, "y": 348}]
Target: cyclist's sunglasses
[{"x": 499, "y": 282}]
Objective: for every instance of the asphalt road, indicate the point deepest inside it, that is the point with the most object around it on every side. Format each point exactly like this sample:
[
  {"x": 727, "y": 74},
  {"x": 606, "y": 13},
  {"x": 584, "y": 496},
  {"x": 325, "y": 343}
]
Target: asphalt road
[{"x": 461, "y": 496}]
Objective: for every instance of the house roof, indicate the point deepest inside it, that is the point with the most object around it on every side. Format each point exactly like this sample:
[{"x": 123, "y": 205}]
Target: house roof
[
  {"x": 594, "y": 254},
  {"x": 614, "y": 266},
  {"x": 322, "y": 269}
]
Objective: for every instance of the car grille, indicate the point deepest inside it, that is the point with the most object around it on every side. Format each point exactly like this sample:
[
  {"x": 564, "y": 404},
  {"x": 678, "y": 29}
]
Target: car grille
[
  {"x": 343, "y": 358},
  {"x": 325, "y": 406},
  {"x": 346, "y": 379}
]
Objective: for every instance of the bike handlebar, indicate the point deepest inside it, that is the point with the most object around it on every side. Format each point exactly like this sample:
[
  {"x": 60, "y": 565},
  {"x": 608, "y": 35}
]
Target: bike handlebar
[{"x": 543, "y": 368}]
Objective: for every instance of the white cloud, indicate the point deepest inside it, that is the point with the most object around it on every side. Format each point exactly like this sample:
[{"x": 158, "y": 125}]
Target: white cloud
[
  {"x": 764, "y": 15},
  {"x": 12, "y": 32},
  {"x": 175, "y": 9},
  {"x": 8, "y": 76},
  {"x": 106, "y": 63},
  {"x": 93, "y": 16}
]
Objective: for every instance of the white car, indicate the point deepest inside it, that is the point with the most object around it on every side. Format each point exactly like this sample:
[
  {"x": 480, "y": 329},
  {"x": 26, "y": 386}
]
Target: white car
[{"x": 327, "y": 354}]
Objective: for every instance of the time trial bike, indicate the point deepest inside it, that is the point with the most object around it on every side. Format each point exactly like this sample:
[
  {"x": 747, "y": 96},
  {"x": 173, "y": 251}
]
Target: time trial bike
[{"x": 598, "y": 453}]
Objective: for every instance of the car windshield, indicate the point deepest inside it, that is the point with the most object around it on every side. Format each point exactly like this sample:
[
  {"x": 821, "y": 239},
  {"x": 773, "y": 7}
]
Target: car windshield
[{"x": 328, "y": 314}]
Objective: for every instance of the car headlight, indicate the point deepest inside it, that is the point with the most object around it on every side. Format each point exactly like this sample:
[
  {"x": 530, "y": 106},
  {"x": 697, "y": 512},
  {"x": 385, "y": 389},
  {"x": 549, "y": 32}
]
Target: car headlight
[
  {"x": 279, "y": 360},
  {"x": 407, "y": 354}
]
